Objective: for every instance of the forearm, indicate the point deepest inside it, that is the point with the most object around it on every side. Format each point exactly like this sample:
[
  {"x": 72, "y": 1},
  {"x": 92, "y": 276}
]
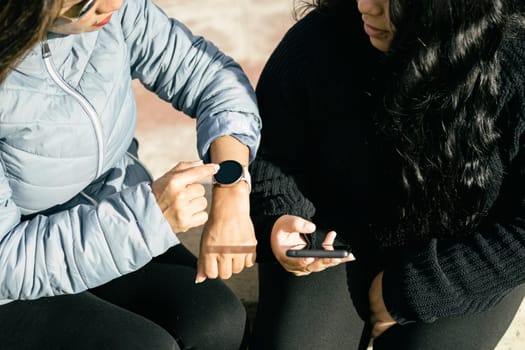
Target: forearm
[
  {"x": 273, "y": 195},
  {"x": 228, "y": 241},
  {"x": 229, "y": 148},
  {"x": 451, "y": 279}
]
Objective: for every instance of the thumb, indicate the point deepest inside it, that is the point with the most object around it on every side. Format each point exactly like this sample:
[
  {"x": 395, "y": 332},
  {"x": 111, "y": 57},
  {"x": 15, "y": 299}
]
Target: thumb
[
  {"x": 303, "y": 226},
  {"x": 293, "y": 224},
  {"x": 201, "y": 276}
]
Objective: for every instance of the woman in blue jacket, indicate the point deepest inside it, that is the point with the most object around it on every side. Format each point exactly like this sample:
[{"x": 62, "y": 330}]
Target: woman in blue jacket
[{"x": 88, "y": 252}]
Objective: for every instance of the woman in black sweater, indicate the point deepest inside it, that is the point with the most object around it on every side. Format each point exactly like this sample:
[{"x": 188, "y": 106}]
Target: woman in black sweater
[{"x": 407, "y": 139}]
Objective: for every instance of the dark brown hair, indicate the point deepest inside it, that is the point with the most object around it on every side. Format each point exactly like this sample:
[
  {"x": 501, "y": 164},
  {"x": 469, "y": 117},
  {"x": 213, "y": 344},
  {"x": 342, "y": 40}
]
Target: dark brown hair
[{"x": 22, "y": 24}]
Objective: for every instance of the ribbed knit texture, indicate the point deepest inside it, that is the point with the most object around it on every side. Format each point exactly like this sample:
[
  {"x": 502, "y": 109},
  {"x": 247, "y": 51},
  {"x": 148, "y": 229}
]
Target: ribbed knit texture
[
  {"x": 316, "y": 148},
  {"x": 444, "y": 278},
  {"x": 276, "y": 195}
]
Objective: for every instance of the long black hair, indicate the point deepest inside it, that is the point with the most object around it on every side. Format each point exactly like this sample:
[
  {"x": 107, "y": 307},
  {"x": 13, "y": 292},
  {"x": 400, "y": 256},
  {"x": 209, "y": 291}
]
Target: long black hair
[
  {"x": 22, "y": 24},
  {"x": 440, "y": 110}
]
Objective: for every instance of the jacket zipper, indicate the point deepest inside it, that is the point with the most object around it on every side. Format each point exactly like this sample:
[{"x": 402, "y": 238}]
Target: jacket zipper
[{"x": 86, "y": 106}]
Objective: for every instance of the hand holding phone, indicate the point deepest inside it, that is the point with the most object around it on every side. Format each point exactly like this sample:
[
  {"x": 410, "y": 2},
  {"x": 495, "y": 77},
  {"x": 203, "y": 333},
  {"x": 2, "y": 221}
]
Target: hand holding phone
[{"x": 301, "y": 248}]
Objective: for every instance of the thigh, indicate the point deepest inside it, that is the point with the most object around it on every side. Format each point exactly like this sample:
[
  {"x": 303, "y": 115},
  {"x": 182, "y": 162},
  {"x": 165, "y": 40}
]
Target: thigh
[
  {"x": 471, "y": 332},
  {"x": 310, "y": 312},
  {"x": 81, "y": 322},
  {"x": 178, "y": 255},
  {"x": 200, "y": 316}
]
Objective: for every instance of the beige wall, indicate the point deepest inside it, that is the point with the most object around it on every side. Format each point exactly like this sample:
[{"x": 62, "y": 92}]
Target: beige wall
[{"x": 244, "y": 29}]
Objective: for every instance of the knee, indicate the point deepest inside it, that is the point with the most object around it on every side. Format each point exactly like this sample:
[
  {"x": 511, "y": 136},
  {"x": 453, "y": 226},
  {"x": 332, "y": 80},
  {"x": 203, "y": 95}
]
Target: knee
[
  {"x": 221, "y": 324},
  {"x": 230, "y": 324},
  {"x": 127, "y": 336}
]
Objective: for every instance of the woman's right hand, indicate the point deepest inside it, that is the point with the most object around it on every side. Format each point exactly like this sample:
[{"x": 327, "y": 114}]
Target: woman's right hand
[
  {"x": 287, "y": 233},
  {"x": 181, "y": 197}
]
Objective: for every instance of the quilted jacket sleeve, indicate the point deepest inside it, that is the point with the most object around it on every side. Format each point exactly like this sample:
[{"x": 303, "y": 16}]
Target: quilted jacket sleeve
[
  {"x": 73, "y": 250},
  {"x": 192, "y": 74}
]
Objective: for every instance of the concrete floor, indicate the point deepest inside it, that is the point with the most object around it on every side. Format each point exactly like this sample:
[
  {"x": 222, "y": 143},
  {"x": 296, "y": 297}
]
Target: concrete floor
[{"x": 247, "y": 30}]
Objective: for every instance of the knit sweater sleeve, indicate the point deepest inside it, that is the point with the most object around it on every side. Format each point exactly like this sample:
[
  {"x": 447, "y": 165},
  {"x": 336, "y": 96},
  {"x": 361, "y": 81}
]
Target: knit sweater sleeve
[
  {"x": 451, "y": 278},
  {"x": 281, "y": 159}
]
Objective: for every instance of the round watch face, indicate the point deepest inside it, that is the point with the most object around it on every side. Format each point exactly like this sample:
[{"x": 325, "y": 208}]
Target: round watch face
[{"x": 229, "y": 172}]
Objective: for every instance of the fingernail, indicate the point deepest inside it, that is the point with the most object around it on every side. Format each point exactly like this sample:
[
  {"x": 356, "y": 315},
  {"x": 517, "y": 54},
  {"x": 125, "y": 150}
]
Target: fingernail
[
  {"x": 199, "y": 280},
  {"x": 216, "y": 167},
  {"x": 310, "y": 226}
]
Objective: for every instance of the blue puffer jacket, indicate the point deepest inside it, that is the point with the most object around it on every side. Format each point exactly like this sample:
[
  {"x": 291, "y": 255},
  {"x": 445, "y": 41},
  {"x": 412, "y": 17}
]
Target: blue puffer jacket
[{"x": 76, "y": 208}]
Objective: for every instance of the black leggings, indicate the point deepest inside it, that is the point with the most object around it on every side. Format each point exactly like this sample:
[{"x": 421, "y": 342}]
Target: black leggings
[
  {"x": 155, "y": 308},
  {"x": 316, "y": 312}
]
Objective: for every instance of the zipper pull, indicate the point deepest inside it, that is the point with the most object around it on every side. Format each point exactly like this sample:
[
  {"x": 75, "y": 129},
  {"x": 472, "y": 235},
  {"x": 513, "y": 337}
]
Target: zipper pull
[{"x": 46, "y": 52}]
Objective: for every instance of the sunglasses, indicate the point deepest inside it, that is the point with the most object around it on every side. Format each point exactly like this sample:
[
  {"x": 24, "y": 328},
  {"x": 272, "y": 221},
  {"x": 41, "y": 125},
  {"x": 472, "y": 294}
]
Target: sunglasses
[{"x": 78, "y": 11}]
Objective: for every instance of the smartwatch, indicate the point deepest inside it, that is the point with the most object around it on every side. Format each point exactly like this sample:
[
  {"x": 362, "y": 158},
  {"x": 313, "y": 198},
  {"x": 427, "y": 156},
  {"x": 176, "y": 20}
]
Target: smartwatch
[{"x": 230, "y": 173}]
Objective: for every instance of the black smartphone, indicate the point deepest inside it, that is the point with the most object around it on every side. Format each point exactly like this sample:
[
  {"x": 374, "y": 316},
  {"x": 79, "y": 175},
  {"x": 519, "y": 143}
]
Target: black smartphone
[{"x": 335, "y": 251}]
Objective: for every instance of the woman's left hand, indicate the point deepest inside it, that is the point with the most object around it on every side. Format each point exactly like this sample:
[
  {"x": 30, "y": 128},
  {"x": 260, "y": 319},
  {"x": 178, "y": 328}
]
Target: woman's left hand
[
  {"x": 287, "y": 232},
  {"x": 228, "y": 243},
  {"x": 379, "y": 316}
]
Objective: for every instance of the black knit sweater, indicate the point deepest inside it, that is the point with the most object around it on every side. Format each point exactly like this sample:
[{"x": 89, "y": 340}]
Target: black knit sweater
[{"x": 319, "y": 160}]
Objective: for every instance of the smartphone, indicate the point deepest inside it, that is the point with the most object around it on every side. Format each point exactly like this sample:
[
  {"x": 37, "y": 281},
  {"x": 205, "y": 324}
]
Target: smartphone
[{"x": 335, "y": 251}]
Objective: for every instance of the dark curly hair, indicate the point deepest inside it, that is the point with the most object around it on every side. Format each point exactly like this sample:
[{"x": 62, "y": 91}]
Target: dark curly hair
[
  {"x": 22, "y": 24},
  {"x": 440, "y": 112}
]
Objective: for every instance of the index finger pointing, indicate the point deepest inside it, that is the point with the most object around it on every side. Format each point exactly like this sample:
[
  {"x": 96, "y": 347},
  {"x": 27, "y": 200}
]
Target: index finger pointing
[
  {"x": 182, "y": 165},
  {"x": 197, "y": 173}
]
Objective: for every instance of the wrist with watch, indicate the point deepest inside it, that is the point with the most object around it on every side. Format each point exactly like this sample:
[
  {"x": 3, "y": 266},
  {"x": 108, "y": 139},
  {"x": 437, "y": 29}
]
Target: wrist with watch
[{"x": 230, "y": 173}]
